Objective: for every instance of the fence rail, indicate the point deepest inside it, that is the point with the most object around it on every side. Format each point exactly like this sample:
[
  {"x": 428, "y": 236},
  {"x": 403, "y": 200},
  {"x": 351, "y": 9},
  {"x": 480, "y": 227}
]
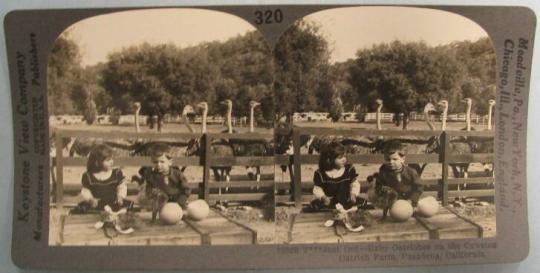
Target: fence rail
[
  {"x": 205, "y": 160},
  {"x": 444, "y": 157}
]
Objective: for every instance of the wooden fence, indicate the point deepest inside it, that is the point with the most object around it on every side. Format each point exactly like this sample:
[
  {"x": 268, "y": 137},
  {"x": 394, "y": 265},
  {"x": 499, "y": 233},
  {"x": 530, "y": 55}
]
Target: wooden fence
[
  {"x": 206, "y": 160},
  {"x": 444, "y": 157},
  {"x": 206, "y": 187}
]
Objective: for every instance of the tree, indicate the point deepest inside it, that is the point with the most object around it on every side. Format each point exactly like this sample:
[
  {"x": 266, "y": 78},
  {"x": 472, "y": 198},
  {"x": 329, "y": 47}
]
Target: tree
[
  {"x": 404, "y": 75},
  {"x": 301, "y": 61},
  {"x": 336, "y": 107},
  {"x": 166, "y": 78},
  {"x": 90, "y": 112},
  {"x": 63, "y": 74}
]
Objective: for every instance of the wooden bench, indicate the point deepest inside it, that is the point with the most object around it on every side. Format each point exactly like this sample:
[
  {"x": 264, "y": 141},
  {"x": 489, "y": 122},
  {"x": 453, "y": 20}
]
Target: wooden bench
[
  {"x": 446, "y": 224},
  {"x": 216, "y": 229}
]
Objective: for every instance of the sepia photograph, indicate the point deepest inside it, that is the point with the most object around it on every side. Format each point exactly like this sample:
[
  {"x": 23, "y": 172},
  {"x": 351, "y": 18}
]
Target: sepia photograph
[
  {"x": 385, "y": 127},
  {"x": 161, "y": 131}
]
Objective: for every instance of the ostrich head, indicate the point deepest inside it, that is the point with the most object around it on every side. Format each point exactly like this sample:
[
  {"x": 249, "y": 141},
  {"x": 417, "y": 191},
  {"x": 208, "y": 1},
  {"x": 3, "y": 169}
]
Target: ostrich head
[
  {"x": 379, "y": 102},
  {"x": 253, "y": 104},
  {"x": 491, "y": 102},
  {"x": 137, "y": 106},
  {"x": 468, "y": 101},
  {"x": 443, "y": 104},
  {"x": 202, "y": 105},
  {"x": 429, "y": 108},
  {"x": 227, "y": 102}
]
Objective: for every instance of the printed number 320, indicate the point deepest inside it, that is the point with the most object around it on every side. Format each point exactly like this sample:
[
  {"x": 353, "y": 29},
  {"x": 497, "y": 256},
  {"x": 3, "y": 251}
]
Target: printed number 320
[{"x": 268, "y": 16}]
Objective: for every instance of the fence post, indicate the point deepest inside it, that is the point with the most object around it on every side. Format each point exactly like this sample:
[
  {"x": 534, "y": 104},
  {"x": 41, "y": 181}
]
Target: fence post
[
  {"x": 204, "y": 191},
  {"x": 444, "y": 158},
  {"x": 59, "y": 187},
  {"x": 297, "y": 185}
]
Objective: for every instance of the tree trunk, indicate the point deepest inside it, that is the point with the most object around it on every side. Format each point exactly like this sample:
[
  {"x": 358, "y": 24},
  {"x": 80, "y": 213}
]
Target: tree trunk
[
  {"x": 159, "y": 123},
  {"x": 405, "y": 121}
]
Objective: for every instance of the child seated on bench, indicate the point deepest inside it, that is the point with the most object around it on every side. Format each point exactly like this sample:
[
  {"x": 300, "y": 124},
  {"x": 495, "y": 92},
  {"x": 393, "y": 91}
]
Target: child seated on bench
[
  {"x": 335, "y": 180},
  {"x": 102, "y": 183},
  {"x": 394, "y": 174},
  {"x": 164, "y": 178}
]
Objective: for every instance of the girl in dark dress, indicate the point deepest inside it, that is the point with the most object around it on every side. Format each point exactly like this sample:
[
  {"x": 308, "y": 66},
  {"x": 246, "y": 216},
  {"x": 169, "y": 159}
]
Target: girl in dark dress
[
  {"x": 335, "y": 180},
  {"x": 102, "y": 183}
]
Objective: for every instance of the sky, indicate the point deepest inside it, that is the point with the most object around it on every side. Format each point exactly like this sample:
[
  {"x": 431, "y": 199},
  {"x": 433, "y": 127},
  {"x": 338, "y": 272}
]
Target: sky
[
  {"x": 98, "y": 36},
  {"x": 350, "y": 29},
  {"x": 346, "y": 29}
]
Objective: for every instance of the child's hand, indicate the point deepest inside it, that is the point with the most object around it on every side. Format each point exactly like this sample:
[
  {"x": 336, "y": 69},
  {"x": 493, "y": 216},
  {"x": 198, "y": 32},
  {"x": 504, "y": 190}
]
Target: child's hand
[
  {"x": 94, "y": 202},
  {"x": 119, "y": 200},
  {"x": 326, "y": 200},
  {"x": 353, "y": 198}
]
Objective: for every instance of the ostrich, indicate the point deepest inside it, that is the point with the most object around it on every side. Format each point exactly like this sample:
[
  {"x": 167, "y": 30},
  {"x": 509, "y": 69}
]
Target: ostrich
[
  {"x": 491, "y": 103},
  {"x": 145, "y": 147},
  {"x": 83, "y": 146},
  {"x": 252, "y": 147},
  {"x": 457, "y": 146},
  {"x": 353, "y": 145},
  {"x": 379, "y": 103},
  {"x": 284, "y": 146},
  {"x": 412, "y": 145},
  {"x": 137, "y": 117},
  {"x": 220, "y": 147}
]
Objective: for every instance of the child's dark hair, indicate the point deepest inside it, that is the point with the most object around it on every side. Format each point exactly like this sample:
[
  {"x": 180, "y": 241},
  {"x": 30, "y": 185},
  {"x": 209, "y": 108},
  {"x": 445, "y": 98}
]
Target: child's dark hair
[
  {"x": 393, "y": 146},
  {"x": 99, "y": 153},
  {"x": 160, "y": 149},
  {"x": 329, "y": 154}
]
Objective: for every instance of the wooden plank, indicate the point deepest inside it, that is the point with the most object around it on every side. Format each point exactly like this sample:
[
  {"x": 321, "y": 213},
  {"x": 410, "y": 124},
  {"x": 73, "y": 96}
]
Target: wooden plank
[
  {"x": 472, "y": 193},
  {"x": 260, "y": 136},
  {"x": 242, "y": 184},
  {"x": 445, "y": 157},
  {"x": 480, "y": 229},
  {"x": 449, "y": 226},
  {"x": 59, "y": 194},
  {"x": 79, "y": 230},
  {"x": 471, "y": 158},
  {"x": 134, "y": 161},
  {"x": 471, "y": 180},
  {"x": 204, "y": 190},
  {"x": 374, "y": 158},
  {"x": 297, "y": 183},
  {"x": 219, "y": 230},
  {"x": 364, "y": 132},
  {"x": 487, "y": 134},
  {"x": 253, "y": 232},
  {"x": 120, "y": 134},
  {"x": 309, "y": 228},
  {"x": 238, "y": 197},
  {"x": 388, "y": 230},
  {"x": 242, "y": 161},
  {"x": 283, "y": 159}
]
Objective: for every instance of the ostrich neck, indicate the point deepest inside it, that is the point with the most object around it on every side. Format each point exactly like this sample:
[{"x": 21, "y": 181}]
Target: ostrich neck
[
  {"x": 490, "y": 112},
  {"x": 251, "y": 119},
  {"x": 468, "y": 117},
  {"x": 137, "y": 126},
  {"x": 204, "y": 114},
  {"x": 444, "y": 117},
  {"x": 428, "y": 122},
  {"x": 378, "y": 117},
  {"x": 229, "y": 119}
]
